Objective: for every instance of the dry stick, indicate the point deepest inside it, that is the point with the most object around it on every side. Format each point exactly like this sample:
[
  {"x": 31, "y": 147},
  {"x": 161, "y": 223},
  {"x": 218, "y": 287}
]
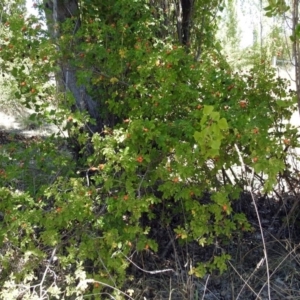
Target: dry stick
[
  {"x": 278, "y": 267},
  {"x": 232, "y": 286},
  {"x": 259, "y": 223},
  {"x": 104, "y": 266},
  {"x": 296, "y": 203},
  {"x": 226, "y": 177},
  {"x": 177, "y": 262},
  {"x": 104, "y": 284},
  {"x": 205, "y": 286},
  {"x": 245, "y": 281},
  {"x": 46, "y": 271},
  {"x": 171, "y": 290},
  {"x": 149, "y": 272}
]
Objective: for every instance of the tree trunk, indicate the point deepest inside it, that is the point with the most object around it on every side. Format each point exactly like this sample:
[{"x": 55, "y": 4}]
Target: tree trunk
[
  {"x": 57, "y": 12},
  {"x": 187, "y": 7},
  {"x": 296, "y": 49}
]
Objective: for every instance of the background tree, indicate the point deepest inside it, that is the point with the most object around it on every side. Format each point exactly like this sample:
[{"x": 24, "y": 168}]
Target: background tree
[
  {"x": 230, "y": 34},
  {"x": 289, "y": 12}
]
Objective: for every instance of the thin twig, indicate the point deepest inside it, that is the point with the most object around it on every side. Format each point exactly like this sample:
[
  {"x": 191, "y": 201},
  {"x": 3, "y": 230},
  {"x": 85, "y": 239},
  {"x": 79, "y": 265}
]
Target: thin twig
[
  {"x": 104, "y": 284},
  {"x": 245, "y": 281},
  {"x": 46, "y": 271},
  {"x": 205, "y": 286},
  {"x": 171, "y": 290},
  {"x": 277, "y": 267},
  {"x": 149, "y": 272}
]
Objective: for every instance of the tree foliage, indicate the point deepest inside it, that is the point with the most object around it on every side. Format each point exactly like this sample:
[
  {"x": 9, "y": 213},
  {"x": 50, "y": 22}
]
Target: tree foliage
[{"x": 156, "y": 114}]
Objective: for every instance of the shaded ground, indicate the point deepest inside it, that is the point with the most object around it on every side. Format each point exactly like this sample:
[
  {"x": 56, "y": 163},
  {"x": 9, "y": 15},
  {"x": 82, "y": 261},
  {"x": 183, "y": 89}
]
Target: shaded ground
[
  {"x": 7, "y": 137},
  {"x": 246, "y": 277}
]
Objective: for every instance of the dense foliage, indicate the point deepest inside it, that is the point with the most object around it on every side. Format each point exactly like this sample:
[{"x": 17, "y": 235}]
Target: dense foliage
[{"x": 172, "y": 118}]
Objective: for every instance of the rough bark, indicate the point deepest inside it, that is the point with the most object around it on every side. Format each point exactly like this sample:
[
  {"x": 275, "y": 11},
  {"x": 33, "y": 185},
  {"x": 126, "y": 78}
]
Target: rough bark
[
  {"x": 57, "y": 12},
  {"x": 187, "y": 6}
]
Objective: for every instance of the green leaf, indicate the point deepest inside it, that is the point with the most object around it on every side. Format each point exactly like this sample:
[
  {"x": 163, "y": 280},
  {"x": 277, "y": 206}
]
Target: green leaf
[
  {"x": 297, "y": 30},
  {"x": 215, "y": 144},
  {"x": 270, "y": 14},
  {"x": 223, "y": 125},
  {"x": 215, "y": 116},
  {"x": 292, "y": 38},
  {"x": 207, "y": 110},
  {"x": 198, "y": 137},
  {"x": 268, "y": 8},
  {"x": 282, "y": 103}
]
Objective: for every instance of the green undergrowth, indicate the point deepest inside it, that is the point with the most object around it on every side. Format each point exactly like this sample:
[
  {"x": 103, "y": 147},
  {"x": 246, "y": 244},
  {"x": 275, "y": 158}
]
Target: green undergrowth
[{"x": 173, "y": 123}]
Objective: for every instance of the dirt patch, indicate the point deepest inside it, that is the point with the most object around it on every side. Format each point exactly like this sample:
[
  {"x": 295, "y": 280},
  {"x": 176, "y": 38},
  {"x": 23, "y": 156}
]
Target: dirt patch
[{"x": 21, "y": 124}]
